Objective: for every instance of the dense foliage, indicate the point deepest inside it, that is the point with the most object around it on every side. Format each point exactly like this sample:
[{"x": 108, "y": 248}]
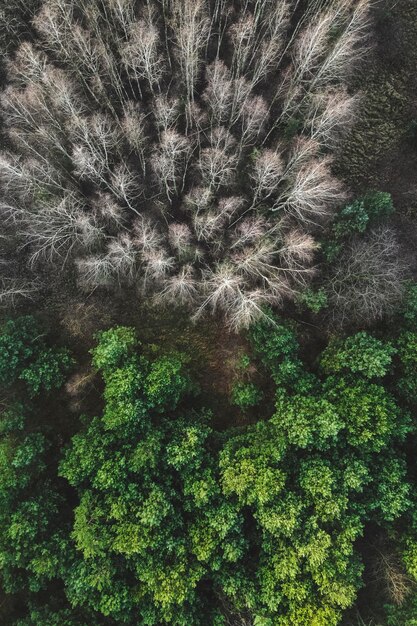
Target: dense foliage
[{"x": 176, "y": 523}]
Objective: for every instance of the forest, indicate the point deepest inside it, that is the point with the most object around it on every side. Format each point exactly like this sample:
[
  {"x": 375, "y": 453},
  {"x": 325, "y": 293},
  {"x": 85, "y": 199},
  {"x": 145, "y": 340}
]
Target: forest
[{"x": 208, "y": 313}]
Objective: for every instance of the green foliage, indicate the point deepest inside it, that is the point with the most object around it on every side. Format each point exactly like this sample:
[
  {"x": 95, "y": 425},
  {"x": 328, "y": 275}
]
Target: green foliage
[
  {"x": 32, "y": 543},
  {"x": 277, "y": 348},
  {"x": 18, "y": 346},
  {"x": 245, "y": 395},
  {"x": 310, "y": 508},
  {"x": 407, "y": 353},
  {"x": 48, "y": 371},
  {"x": 150, "y": 514},
  {"x": 378, "y": 205},
  {"x": 409, "y": 313},
  {"x": 169, "y": 516},
  {"x": 167, "y": 382},
  {"x": 292, "y": 127},
  {"x": 355, "y": 217},
  {"x": 55, "y": 613},
  {"x": 359, "y": 354},
  {"x": 114, "y": 347},
  {"x": 25, "y": 356},
  {"x": 313, "y": 300}
]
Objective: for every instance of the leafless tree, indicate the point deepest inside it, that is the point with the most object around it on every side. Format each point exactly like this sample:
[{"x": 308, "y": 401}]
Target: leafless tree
[
  {"x": 222, "y": 286},
  {"x": 297, "y": 251},
  {"x": 179, "y": 236},
  {"x": 141, "y": 53},
  {"x": 125, "y": 185},
  {"x": 191, "y": 25},
  {"x": 329, "y": 114},
  {"x": 147, "y": 235},
  {"x": 249, "y": 230},
  {"x": 254, "y": 118},
  {"x": 158, "y": 266},
  {"x": 95, "y": 271},
  {"x": 266, "y": 174},
  {"x": 217, "y": 163},
  {"x": 133, "y": 127},
  {"x": 170, "y": 161},
  {"x": 109, "y": 211},
  {"x": 12, "y": 290},
  {"x": 27, "y": 66},
  {"x": 197, "y": 199},
  {"x": 232, "y": 615},
  {"x": 389, "y": 572},
  {"x": 142, "y": 143},
  {"x": 210, "y": 224},
  {"x": 368, "y": 279},
  {"x": 219, "y": 91},
  {"x": 122, "y": 254},
  {"x": 245, "y": 310},
  {"x": 167, "y": 112},
  {"x": 311, "y": 193},
  {"x": 181, "y": 288},
  {"x": 53, "y": 228}
]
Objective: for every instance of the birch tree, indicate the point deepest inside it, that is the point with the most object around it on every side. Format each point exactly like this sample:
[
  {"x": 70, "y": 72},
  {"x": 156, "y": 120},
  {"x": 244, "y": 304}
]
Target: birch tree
[{"x": 185, "y": 147}]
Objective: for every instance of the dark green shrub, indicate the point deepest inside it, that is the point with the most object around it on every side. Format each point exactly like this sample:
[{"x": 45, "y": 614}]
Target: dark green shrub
[
  {"x": 245, "y": 395},
  {"x": 25, "y": 356},
  {"x": 313, "y": 300},
  {"x": 48, "y": 371},
  {"x": 409, "y": 312},
  {"x": 356, "y": 216}
]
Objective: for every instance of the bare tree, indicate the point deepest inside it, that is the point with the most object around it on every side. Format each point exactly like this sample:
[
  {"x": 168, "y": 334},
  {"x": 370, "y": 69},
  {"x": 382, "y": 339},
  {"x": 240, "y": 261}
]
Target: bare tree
[
  {"x": 141, "y": 53},
  {"x": 158, "y": 266},
  {"x": 329, "y": 115},
  {"x": 191, "y": 25},
  {"x": 27, "y": 66},
  {"x": 222, "y": 286},
  {"x": 181, "y": 288},
  {"x": 311, "y": 193},
  {"x": 179, "y": 236},
  {"x": 219, "y": 91},
  {"x": 243, "y": 37},
  {"x": 133, "y": 127},
  {"x": 53, "y": 228},
  {"x": 266, "y": 175},
  {"x": 13, "y": 290},
  {"x": 198, "y": 198},
  {"x": 147, "y": 235},
  {"x": 368, "y": 279},
  {"x": 142, "y": 143},
  {"x": 122, "y": 254},
  {"x": 297, "y": 251},
  {"x": 95, "y": 271},
  {"x": 210, "y": 224},
  {"x": 217, "y": 163},
  {"x": 254, "y": 118},
  {"x": 169, "y": 162},
  {"x": 125, "y": 185},
  {"x": 249, "y": 230},
  {"x": 109, "y": 211},
  {"x": 167, "y": 112},
  {"x": 390, "y": 571}
]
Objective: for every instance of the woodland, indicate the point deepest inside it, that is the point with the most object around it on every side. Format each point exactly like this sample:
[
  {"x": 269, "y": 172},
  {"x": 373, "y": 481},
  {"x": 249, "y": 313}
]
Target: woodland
[{"x": 208, "y": 313}]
